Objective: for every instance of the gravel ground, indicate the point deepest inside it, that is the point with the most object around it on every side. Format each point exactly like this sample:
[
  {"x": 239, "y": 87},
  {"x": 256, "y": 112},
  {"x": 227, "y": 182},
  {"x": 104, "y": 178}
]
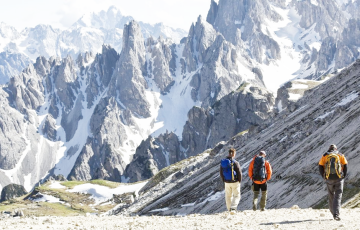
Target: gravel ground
[{"x": 293, "y": 218}]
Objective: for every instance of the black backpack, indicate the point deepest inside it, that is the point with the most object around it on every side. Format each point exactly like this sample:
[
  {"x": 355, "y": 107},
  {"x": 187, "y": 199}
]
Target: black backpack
[{"x": 259, "y": 172}]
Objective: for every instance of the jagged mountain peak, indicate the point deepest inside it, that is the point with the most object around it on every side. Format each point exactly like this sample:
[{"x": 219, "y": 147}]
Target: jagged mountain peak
[
  {"x": 103, "y": 19},
  {"x": 132, "y": 37}
]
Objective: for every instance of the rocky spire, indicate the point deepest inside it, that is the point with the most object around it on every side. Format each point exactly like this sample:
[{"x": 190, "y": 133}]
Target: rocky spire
[{"x": 128, "y": 83}]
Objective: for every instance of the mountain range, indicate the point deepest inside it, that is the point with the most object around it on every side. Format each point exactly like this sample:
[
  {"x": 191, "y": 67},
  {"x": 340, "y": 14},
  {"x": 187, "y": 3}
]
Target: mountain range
[
  {"x": 88, "y": 34},
  {"x": 145, "y": 102}
]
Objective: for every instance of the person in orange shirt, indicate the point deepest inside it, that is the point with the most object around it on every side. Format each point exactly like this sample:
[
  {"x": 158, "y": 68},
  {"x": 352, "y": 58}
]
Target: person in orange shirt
[
  {"x": 260, "y": 172},
  {"x": 333, "y": 168}
]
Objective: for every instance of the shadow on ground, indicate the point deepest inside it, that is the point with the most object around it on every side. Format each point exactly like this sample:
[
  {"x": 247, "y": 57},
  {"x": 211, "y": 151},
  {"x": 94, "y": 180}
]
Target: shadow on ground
[{"x": 295, "y": 222}]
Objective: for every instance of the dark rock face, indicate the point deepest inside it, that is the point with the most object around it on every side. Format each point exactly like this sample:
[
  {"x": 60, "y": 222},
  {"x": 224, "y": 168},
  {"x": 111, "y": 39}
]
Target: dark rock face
[
  {"x": 153, "y": 155},
  {"x": 49, "y": 128},
  {"x": 238, "y": 111},
  {"x": 12, "y": 191}
]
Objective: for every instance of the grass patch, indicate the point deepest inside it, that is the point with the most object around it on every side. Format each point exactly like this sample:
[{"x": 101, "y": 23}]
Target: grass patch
[
  {"x": 242, "y": 133},
  {"x": 72, "y": 184},
  {"x": 106, "y": 183},
  {"x": 352, "y": 197},
  {"x": 242, "y": 87},
  {"x": 322, "y": 204},
  {"x": 39, "y": 209},
  {"x": 105, "y": 208}
]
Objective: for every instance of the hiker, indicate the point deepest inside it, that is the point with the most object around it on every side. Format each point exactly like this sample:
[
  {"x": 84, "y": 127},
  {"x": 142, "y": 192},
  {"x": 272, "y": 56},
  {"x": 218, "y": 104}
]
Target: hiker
[
  {"x": 230, "y": 173},
  {"x": 333, "y": 168},
  {"x": 259, "y": 172}
]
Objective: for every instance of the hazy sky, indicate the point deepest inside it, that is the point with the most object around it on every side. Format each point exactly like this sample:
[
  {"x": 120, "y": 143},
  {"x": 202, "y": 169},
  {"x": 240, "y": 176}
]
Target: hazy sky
[{"x": 63, "y": 13}]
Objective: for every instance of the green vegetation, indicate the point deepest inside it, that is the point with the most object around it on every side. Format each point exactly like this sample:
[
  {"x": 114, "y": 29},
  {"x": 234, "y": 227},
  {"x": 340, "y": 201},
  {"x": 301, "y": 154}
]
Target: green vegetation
[
  {"x": 323, "y": 203},
  {"x": 39, "y": 209},
  {"x": 72, "y": 184},
  {"x": 106, "y": 183},
  {"x": 242, "y": 87},
  {"x": 242, "y": 133}
]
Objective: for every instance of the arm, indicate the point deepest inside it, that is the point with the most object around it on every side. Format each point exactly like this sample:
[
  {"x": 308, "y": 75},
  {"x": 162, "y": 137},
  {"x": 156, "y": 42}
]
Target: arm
[
  {"x": 345, "y": 170},
  {"x": 221, "y": 174},
  {"x": 268, "y": 170},
  {"x": 344, "y": 163},
  {"x": 322, "y": 171},
  {"x": 322, "y": 167},
  {"x": 238, "y": 171},
  {"x": 251, "y": 168}
]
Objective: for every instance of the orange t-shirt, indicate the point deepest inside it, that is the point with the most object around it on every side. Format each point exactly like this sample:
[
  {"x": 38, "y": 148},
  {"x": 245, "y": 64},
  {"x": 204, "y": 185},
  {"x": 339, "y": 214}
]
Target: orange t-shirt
[
  {"x": 343, "y": 160},
  {"x": 267, "y": 168}
]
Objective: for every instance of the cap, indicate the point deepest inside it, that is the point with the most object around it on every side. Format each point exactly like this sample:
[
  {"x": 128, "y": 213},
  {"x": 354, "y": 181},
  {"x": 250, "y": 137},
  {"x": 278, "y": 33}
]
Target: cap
[{"x": 263, "y": 153}]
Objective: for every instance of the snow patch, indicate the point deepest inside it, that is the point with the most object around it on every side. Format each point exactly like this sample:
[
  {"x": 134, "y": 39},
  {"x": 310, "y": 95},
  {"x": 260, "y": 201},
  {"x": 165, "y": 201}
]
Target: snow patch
[
  {"x": 56, "y": 184},
  {"x": 324, "y": 115},
  {"x": 47, "y": 198},
  {"x": 349, "y": 98},
  {"x": 102, "y": 193},
  {"x": 294, "y": 97}
]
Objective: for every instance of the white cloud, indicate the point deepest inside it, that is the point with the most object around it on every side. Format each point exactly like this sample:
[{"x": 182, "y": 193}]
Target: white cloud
[{"x": 63, "y": 13}]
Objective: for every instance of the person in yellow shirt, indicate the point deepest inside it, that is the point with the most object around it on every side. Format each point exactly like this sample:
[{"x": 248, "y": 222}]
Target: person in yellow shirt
[{"x": 333, "y": 168}]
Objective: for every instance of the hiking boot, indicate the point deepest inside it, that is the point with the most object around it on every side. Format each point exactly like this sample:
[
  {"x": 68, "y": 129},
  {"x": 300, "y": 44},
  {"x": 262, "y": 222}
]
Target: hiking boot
[
  {"x": 337, "y": 218},
  {"x": 254, "y": 207},
  {"x": 263, "y": 209}
]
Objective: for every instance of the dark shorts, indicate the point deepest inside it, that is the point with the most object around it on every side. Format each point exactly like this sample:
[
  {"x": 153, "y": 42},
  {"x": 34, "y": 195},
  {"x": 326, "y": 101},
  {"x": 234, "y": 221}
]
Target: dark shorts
[{"x": 257, "y": 187}]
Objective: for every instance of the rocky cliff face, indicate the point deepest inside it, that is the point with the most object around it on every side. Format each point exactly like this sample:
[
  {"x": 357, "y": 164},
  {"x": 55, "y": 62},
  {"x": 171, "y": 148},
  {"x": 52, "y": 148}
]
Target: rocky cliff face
[
  {"x": 247, "y": 107},
  {"x": 236, "y": 112},
  {"x": 294, "y": 140}
]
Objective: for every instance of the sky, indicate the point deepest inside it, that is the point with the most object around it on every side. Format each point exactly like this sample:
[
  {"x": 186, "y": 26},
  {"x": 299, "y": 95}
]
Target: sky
[{"x": 63, "y": 13}]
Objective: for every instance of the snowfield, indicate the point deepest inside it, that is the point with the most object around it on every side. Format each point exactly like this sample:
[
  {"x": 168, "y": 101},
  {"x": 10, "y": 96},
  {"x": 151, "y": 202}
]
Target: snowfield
[
  {"x": 101, "y": 193},
  {"x": 293, "y": 218}
]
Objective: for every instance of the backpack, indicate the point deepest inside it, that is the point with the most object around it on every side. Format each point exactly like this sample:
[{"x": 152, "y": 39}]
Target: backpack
[
  {"x": 228, "y": 171},
  {"x": 333, "y": 167},
  {"x": 259, "y": 172}
]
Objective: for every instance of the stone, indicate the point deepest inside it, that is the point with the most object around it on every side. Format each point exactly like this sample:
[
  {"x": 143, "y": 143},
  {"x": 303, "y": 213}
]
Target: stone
[{"x": 12, "y": 191}]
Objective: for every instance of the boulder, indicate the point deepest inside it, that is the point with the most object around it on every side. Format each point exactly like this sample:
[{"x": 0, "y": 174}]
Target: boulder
[{"x": 12, "y": 191}]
